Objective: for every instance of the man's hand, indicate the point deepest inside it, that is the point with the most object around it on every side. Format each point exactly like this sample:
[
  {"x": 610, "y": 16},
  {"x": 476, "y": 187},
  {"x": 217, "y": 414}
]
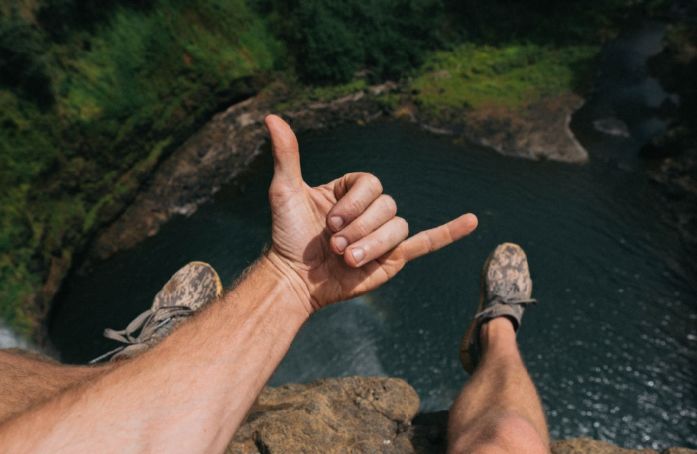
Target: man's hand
[
  {"x": 223, "y": 357},
  {"x": 343, "y": 238}
]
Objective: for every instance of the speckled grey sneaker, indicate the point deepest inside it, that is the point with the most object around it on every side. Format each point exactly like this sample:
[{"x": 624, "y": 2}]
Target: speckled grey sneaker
[
  {"x": 187, "y": 291},
  {"x": 506, "y": 288}
]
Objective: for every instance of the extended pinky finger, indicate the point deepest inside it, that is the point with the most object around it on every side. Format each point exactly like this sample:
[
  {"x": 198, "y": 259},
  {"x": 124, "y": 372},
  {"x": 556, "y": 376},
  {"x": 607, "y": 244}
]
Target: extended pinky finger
[{"x": 438, "y": 237}]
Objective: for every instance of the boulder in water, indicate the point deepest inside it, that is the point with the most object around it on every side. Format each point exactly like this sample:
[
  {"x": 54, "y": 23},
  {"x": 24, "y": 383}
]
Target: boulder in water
[{"x": 612, "y": 126}]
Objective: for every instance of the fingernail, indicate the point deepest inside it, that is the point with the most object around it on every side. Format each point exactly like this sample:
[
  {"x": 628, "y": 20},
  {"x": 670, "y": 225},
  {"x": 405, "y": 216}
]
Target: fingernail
[
  {"x": 336, "y": 222},
  {"x": 358, "y": 254},
  {"x": 340, "y": 242}
]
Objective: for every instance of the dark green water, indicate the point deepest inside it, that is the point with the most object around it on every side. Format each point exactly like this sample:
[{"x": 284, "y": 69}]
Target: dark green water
[{"x": 613, "y": 344}]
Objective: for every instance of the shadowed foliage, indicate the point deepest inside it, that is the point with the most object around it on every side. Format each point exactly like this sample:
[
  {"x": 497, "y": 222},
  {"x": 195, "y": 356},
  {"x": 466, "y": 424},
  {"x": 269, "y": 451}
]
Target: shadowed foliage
[{"x": 94, "y": 94}]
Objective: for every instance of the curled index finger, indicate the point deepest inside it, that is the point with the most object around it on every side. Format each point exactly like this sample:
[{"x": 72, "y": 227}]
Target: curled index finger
[
  {"x": 436, "y": 238},
  {"x": 354, "y": 193}
]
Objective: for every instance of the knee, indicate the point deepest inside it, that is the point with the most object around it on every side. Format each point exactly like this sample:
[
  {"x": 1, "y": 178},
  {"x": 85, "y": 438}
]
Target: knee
[{"x": 507, "y": 433}]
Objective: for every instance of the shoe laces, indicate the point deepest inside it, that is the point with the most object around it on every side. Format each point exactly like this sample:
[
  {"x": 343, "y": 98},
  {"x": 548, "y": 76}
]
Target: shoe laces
[
  {"x": 496, "y": 300},
  {"x": 145, "y": 325}
]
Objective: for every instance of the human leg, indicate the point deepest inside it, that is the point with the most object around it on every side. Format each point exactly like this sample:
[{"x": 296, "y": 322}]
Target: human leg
[
  {"x": 29, "y": 378},
  {"x": 499, "y": 409}
]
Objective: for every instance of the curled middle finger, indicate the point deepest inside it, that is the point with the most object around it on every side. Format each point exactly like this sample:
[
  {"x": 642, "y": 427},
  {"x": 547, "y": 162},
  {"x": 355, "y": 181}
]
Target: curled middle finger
[{"x": 378, "y": 213}]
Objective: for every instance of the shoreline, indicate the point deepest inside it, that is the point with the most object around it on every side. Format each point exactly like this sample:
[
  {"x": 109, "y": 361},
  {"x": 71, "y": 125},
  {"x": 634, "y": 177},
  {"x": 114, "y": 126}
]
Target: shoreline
[
  {"x": 221, "y": 151},
  {"x": 225, "y": 147}
]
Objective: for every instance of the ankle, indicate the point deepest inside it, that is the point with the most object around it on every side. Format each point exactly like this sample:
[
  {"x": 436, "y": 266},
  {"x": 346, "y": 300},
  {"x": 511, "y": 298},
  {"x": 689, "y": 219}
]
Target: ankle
[{"x": 498, "y": 331}]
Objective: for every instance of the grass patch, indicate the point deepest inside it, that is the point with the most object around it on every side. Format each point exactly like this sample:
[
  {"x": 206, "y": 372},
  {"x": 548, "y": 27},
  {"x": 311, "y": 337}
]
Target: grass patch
[
  {"x": 301, "y": 95},
  {"x": 510, "y": 76}
]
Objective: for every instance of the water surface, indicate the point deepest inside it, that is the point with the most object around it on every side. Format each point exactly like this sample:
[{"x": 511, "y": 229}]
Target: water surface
[{"x": 613, "y": 344}]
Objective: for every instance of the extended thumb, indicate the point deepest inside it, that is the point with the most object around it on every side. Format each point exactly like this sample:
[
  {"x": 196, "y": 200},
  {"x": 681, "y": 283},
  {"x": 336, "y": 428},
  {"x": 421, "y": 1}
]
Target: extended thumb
[{"x": 284, "y": 146}]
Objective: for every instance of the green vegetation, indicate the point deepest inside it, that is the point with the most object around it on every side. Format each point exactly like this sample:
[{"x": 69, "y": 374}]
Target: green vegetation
[
  {"x": 547, "y": 22},
  {"x": 86, "y": 114},
  {"x": 304, "y": 94},
  {"x": 511, "y": 76},
  {"x": 94, "y": 94},
  {"x": 330, "y": 41}
]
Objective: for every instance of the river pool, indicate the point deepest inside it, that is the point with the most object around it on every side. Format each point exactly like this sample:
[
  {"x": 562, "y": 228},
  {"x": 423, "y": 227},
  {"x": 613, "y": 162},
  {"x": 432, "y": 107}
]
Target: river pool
[{"x": 613, "y": 344}]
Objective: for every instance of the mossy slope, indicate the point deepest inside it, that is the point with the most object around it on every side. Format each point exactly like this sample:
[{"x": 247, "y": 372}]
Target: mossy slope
[{"x": 120, "y": 95}]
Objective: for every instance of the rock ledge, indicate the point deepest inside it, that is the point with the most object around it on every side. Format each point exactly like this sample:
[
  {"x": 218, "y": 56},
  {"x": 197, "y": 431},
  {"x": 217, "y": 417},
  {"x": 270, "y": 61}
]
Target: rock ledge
[{"x": 363, "y": 415}]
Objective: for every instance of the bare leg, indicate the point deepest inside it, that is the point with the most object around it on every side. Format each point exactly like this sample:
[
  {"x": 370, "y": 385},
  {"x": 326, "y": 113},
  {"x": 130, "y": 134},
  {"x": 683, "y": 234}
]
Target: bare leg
[
  {"x": 27, "y": 379},
  {"x": 498, "y": 410}
]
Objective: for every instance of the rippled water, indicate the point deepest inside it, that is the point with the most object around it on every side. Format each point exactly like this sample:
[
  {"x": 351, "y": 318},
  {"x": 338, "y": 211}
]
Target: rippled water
[{"x": 612, "y": 346}]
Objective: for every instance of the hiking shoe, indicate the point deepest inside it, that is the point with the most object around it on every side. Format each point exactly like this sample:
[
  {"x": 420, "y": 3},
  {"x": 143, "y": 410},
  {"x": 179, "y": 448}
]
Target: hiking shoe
[
  {"x": 187, "y": 291},
  {"x": 505, "y": 290}
]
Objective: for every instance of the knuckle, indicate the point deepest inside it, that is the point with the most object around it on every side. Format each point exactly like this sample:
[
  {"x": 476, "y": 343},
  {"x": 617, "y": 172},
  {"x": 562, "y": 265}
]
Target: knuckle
[
  {"x": 354, "y": 206},
  {"x": 402, "y": 223},
  {"x": 373, "y": 182},
  {"x": 389, "y": 203},
  {"x": 358, "y": 230},
  {"x": 276, "y": 192}
]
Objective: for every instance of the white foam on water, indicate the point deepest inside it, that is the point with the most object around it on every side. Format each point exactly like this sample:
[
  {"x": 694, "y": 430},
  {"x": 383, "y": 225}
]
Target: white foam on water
[{"x": 10, "y": 339}]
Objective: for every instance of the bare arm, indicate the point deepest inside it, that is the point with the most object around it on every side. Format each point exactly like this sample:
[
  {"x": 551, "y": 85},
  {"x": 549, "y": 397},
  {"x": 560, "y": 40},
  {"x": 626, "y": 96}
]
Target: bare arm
[
  {"x": 191, "y": 392},
  {"x": 187, "y": 395}
]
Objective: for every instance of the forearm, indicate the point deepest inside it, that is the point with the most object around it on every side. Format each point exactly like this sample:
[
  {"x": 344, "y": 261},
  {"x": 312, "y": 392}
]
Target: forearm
[{"x": 190, "y": 393}]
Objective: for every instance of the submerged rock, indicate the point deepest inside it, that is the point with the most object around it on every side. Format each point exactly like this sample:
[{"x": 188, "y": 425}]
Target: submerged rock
[{"x": 611, "y": 126}]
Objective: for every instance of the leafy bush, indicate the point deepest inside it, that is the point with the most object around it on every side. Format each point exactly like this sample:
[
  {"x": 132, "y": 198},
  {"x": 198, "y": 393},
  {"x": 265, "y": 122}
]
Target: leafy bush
[
  {"x": 22, "y": 59},
  {"x": 61, "y": 17},
  {"x": 547, "y": 22},
  {"x": 124, "y": 87},
  {"x": 330, "y": 41}
]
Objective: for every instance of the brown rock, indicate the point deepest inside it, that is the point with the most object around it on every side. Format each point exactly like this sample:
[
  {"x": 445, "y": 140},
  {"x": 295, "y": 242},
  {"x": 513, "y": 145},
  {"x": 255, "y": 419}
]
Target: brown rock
[
  {"x": 341, "y": 415},
  {"x": 364, "y": 415},
  {"x": 539, "y": 131},
  {"x": 217, "y": 153}
]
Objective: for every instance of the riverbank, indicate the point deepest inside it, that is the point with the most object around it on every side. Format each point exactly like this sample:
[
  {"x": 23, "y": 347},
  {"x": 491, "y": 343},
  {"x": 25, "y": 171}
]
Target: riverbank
[
  {"x": 226, "y": 145},
  {"x": 165, "y": 178},
  {"x": 175, "y": 180},
  {"x": 618, "y": 395},
  {"x": 673, "y": 156},
  {"x": 98, "y": 98}
]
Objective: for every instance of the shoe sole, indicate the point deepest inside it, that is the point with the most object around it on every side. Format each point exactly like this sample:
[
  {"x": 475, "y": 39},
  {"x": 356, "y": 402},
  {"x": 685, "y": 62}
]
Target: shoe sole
[{"x": 465, "y": 356}]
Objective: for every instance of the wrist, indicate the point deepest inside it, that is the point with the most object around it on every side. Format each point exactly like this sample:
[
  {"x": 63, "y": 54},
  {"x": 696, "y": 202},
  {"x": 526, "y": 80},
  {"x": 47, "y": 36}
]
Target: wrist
[{"x": 295, "y": 287}]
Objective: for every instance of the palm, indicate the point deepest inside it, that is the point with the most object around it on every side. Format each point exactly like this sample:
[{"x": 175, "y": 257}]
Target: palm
[
  {"x": 300, "y": 234},
  {"x": 364, "y": 250}
]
